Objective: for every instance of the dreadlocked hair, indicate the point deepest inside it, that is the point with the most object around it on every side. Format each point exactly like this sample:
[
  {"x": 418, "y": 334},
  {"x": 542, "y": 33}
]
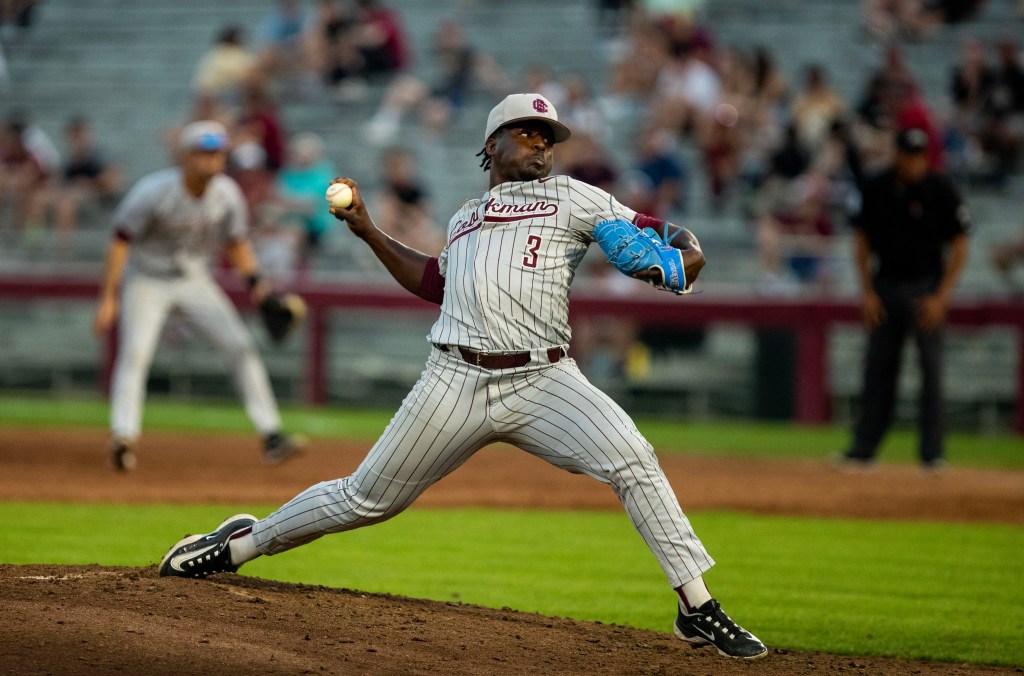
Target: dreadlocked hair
[{"x": 485, "y": 162}]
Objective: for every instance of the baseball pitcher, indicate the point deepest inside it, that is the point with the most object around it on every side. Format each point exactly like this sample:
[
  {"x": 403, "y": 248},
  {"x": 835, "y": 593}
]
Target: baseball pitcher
[{"x": 499, "y": 368}]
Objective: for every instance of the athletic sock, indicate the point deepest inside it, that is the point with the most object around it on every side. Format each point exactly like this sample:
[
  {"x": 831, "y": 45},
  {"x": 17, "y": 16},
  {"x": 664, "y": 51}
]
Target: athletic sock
[
  {"x": 242, "y": 548},
  {"x": 693, "y": 594}
]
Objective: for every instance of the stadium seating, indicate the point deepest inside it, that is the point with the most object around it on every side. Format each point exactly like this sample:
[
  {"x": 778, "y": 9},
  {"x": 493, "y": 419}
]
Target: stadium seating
[{"x": 127, "y": 65}]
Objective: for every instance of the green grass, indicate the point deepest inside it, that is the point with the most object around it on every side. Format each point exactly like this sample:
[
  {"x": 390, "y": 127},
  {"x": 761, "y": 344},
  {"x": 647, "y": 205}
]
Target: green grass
[
  {"x": 952, "y": 592},
  {"x": 732, "y": 437},
  {"x": 199, "y": 416}
]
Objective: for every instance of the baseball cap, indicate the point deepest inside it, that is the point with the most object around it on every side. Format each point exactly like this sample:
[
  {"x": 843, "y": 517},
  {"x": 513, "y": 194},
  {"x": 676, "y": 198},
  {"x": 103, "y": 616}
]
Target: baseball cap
[
  {"x": 519, "y": 107},
  {"x": 912, "y": 140},
  {"x": 204, "y": 135}
]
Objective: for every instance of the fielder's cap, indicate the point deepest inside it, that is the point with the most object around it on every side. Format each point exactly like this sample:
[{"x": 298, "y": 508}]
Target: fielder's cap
[
  {"x": 912, "y": 141},
  {"x": 519, "y": 107},
  {"x": 204, "y": 135}
]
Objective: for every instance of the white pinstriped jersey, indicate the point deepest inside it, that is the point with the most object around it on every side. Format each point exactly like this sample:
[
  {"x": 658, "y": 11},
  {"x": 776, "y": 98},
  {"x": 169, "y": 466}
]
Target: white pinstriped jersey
[
  {"x": 173, "y": 233},
  {"x": 510, "y": 259}
]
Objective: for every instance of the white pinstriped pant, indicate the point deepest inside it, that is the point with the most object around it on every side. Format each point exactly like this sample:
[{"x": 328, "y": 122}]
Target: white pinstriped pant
[{"x": 455, "y": 409}]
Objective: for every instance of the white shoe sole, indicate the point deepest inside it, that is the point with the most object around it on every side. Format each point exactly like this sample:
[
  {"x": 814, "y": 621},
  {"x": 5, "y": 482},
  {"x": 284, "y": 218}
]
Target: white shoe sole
[
  {"x": 700, "y": 642},
  {"x": 189, "y": 539}
]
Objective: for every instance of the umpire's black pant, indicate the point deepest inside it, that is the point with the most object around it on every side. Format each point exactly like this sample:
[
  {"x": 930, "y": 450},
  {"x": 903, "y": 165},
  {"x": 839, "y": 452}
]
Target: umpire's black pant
[{"x": 882, "y": 369}]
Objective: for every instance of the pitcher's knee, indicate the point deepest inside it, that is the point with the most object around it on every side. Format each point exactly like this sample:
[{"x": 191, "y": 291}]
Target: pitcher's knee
[
  {"x": 638, "y": 467},
  {"x": 363, "y": 504}
]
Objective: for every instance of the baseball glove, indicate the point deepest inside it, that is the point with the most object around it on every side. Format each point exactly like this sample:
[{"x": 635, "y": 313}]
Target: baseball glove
[
  {"x": 632, "y": 250},
  {"x": 281, "y": 314}
]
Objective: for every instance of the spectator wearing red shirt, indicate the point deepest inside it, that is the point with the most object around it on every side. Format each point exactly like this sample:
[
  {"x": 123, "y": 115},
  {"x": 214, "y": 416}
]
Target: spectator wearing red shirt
[
  {"x": 912, "y": 112},
  {"x": 381, "y": 39},
  {"x": 25, "y": 180},
  {"x": 260, "y": 119}
]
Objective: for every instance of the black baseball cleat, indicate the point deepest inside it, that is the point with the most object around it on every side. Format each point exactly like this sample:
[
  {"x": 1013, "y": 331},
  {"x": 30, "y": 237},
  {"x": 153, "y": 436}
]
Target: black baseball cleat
[
  {"x": 202, "y": 555},
  {"x": 709, "y": 625},
  {"x": 279, "y": 447},
  {"x": 120, "y": 455}
]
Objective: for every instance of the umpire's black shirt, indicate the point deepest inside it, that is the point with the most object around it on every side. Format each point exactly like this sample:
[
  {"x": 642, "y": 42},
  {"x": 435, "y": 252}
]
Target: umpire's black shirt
[{"x": 908, "y": 225}]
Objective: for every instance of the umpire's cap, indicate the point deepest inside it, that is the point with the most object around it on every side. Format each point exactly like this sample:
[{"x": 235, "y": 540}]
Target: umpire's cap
[
  {"x": 519, "y": 107},
  {"x": 912, "y": 141},
  {"x": 204, "y": 135}
]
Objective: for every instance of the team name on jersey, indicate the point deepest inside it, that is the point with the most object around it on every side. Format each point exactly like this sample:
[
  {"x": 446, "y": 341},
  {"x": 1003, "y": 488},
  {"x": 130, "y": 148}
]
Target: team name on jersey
[
  {"x": 465, "y": 226},
  {"x": 500, "y": 212}
]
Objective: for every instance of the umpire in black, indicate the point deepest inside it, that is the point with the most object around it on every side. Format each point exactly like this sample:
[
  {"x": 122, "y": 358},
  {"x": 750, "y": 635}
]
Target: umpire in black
[{"x": 910, "y": 241}]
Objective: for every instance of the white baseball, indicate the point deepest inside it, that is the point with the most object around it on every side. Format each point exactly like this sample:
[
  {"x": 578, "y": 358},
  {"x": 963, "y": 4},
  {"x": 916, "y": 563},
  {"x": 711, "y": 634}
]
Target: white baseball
[{"x": 339, "y": 196}]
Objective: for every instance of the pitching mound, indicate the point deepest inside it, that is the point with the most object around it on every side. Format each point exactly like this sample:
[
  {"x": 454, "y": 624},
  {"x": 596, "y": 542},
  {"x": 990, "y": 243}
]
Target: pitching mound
[{"x": 89, "y": 619}]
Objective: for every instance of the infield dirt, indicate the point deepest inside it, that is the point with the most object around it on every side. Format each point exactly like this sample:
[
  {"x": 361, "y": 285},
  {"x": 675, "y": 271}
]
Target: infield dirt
[{"x": 102, "y": 620}]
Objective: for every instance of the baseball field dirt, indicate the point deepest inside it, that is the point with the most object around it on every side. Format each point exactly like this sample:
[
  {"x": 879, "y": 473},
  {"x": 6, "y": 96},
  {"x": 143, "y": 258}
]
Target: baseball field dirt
[{"x": 103, "y": 620}]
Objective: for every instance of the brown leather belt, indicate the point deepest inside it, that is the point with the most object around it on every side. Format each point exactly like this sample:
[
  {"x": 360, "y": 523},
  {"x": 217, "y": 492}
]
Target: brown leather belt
[{"x": 497, "y": 360}]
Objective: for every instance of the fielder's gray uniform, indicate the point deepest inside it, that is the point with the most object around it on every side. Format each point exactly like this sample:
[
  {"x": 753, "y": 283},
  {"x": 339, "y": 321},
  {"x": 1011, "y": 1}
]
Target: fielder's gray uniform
[
  {"x": 172, "y": 235},
  {"x": 508, "y": 264}
]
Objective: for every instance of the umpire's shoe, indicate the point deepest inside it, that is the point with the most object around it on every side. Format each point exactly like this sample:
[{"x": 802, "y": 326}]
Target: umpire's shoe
[
  {"x": 279, "y": 447},
  {"x": 202, "y": 555},
  {"x": 709, "y": 625}
]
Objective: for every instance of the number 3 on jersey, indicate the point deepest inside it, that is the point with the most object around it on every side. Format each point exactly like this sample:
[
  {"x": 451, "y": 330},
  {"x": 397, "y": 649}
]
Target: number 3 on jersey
[{"x": 533, "y": 243}]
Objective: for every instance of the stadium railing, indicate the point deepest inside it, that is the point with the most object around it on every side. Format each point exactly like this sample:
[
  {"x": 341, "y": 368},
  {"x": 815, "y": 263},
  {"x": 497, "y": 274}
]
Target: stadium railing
[{"x": 809, "y": 320}]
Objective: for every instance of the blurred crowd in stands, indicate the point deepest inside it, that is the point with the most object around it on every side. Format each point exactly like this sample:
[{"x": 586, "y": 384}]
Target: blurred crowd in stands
[
  {"x": 783, "y": 151},
  {"x": 791, "y": 153},
  {"x": 40, "y": 185},
  {"x": 302, "y": 51},
  {"x": 17, "y": 13}
]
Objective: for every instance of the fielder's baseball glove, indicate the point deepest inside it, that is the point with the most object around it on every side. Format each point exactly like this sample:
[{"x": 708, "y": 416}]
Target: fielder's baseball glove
[
  {"x": 281, "y": 314},
  {"x": 632, "y": 250}
]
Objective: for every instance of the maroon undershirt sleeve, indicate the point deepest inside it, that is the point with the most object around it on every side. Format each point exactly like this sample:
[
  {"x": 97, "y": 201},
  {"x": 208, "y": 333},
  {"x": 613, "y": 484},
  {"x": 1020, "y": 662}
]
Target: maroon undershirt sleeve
[
  {"x": 432, "y": 283},
  {"x": 643, "y": 221}
]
